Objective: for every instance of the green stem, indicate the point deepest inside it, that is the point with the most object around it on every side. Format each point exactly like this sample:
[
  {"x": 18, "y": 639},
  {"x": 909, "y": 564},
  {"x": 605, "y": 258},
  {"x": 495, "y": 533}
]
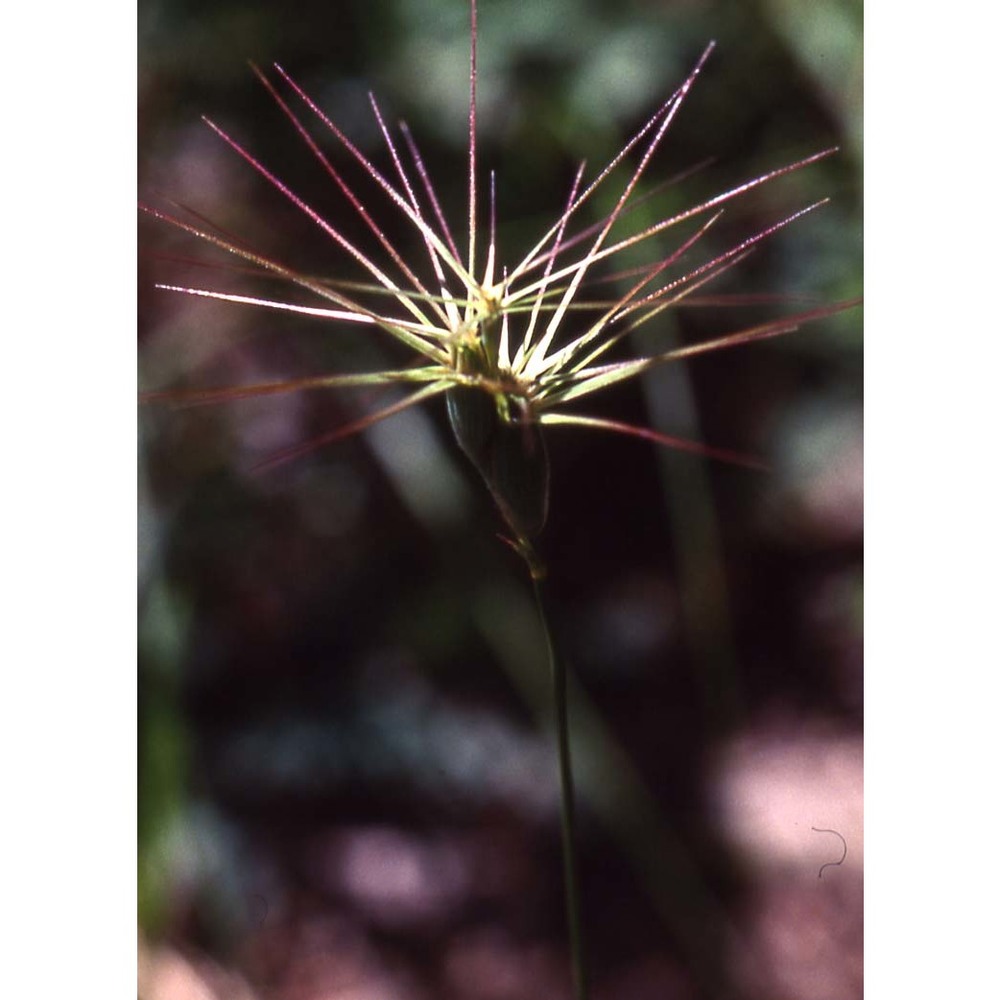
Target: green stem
[{"x": 570, "y": 875}]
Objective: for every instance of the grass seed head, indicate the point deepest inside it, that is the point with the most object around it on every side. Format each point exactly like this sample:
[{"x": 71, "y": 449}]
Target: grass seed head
[{"x": 508, "y": 346}]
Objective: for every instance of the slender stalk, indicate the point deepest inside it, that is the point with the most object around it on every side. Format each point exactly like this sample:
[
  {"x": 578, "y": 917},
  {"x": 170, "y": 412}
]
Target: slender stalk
[{"x": 568, "y": 809}]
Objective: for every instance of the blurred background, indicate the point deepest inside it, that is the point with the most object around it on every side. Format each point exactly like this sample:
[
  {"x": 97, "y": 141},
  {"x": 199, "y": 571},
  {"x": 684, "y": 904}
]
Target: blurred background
[{"x": 347, "y": 775}]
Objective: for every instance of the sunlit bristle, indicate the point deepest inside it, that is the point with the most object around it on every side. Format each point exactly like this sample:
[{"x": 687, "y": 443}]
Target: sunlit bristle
[{"x": 473, "y": 45}]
